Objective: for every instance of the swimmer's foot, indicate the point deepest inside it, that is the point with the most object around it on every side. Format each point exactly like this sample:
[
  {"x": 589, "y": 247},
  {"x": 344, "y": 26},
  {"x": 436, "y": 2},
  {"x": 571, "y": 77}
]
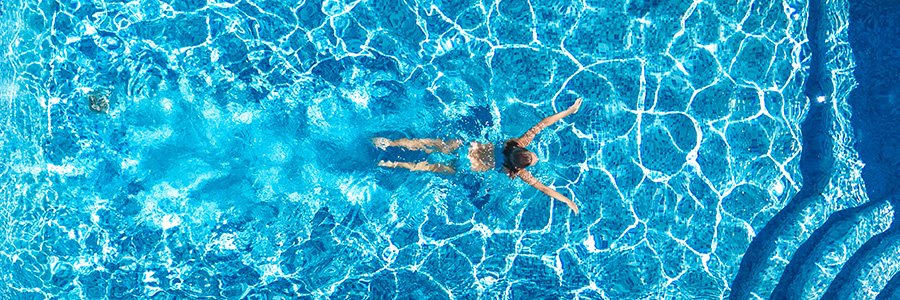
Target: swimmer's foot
[
  {"x": 387, "y": 164},
  {"x": 381, "y": 143}
]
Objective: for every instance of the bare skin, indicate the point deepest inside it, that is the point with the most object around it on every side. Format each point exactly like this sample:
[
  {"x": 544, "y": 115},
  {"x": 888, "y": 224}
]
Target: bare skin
[
  {"x": 420, "y": 166},
  {"x": 525, "y": 140},
  {"x": 481, "y": 156},
  {"x": 427, "y": 145}
]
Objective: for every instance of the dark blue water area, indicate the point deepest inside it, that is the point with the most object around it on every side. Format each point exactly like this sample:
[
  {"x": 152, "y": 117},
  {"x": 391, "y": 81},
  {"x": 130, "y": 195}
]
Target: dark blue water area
[
  {"x": 873, "y": 30},
  {"x": 875, "y": 37}
]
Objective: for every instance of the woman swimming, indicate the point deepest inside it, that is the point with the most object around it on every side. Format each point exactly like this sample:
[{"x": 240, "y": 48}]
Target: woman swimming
[{"x": 481, "y": 156}]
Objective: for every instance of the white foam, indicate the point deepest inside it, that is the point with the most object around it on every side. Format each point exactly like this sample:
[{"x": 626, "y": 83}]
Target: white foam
[
  {"x": 278, "y": 152},
  {"x": 224, "y": 242},
  {"x": 360, "y": 192},
  {"x": 315, "y": 116},
  {"x": 245, "y": 117},
  {"x": 65, "y": 170},
  {"x": 166, "y": 104},
  {"x": 778, "y": 188},
  {"x": 149, "y": 136},
  {"x": 169, "y": 221},
  {"x": 358, "y": 96},
  {"x": 128, "y": 163},
  {"x": 211, "y": 112}
]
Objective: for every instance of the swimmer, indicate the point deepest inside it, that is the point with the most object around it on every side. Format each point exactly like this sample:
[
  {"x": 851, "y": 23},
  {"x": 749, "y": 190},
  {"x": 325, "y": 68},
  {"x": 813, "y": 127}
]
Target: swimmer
[{"x": 481, "y": 156}]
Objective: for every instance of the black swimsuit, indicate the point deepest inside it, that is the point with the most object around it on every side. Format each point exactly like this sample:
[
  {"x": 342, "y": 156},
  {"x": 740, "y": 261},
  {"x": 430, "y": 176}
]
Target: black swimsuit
[{"x": 508, "y": 149}]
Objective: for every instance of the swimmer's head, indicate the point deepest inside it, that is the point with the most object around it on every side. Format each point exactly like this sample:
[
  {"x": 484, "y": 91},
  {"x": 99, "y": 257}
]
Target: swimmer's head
[{"x": 522, "y": 158}]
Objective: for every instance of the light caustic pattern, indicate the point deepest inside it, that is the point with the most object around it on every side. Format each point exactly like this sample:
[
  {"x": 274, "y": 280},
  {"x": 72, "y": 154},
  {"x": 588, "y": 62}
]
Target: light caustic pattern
[{"x": 234, "y": 160}]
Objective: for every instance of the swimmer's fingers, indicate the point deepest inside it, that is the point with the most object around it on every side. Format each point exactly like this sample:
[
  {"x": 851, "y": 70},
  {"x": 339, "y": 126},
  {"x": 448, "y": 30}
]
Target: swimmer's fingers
[
  {"x": 574, "y": 108},
  {"x": 556, "y": 195},
  {"x": 571, "y": 204}
]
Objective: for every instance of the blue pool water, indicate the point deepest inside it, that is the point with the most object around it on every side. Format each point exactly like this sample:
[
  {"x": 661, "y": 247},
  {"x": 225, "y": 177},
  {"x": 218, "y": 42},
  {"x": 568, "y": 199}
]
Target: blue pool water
[{"x": 714, "y": 155}]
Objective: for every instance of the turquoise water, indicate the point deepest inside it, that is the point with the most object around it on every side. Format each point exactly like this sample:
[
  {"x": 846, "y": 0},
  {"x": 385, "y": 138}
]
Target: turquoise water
[{"x": 234, "y": 160}]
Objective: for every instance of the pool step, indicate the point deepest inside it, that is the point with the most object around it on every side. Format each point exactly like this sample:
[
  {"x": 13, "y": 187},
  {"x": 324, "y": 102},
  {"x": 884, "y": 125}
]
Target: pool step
[{"x": 820, "y": 258}]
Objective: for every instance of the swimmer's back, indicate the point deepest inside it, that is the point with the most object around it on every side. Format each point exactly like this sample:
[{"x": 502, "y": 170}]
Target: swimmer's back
[{"x": 481, "y": 156}]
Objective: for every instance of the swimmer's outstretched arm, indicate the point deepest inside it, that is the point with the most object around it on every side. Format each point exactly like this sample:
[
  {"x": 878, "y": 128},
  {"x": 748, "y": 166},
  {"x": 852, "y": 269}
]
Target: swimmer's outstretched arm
[
  {"x": 526, "y": 138},
  {"x": 529, "y": 179}
]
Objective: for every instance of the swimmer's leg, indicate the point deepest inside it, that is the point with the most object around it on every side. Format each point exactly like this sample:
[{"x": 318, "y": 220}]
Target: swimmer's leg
[
  {"x": 428, "y": 145},
  {"x": 421, "y": 166}
]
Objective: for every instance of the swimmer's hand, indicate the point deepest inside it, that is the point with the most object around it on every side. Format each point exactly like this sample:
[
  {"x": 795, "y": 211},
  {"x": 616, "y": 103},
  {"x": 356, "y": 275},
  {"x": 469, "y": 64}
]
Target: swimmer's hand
[
  {"x": 574, "y": 108},
  {"x": 529, "y": 179}
]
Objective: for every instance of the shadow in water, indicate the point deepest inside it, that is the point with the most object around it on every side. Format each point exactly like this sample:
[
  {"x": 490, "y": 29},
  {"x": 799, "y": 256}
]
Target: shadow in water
[
  {"x": 815, "y": 164},
  {"x": 876, "y": 115},
  {"x": 873, "y": 32}
]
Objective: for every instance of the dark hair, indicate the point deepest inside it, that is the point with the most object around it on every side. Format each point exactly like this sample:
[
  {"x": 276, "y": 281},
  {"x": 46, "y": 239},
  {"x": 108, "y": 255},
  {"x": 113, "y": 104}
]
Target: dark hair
[
  {"x": 520, "y": 158},
  {"x": 517, "y": 158}
]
